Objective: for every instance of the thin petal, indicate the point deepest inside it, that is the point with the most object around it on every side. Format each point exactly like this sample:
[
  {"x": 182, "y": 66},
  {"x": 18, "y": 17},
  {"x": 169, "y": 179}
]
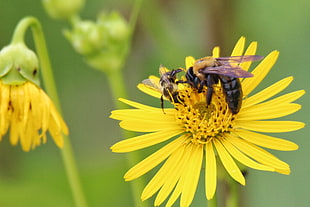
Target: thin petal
[
  {"x": 229, "y": 164},
  {"x": 144, "y": 141},
  {"x": 239, "y": 47},
  {"x": 149, "y": 126},
  {"x": 132, "y": 114},
  {"x": 189, "y": 61},
  {"x": 267, "y": 111},
  {"x": 242, "y": 158},
  {"x": 192, "y": 176},
  {"x": 267, "y": 92},
  {"x": 147, "y": 90},
  {"x": 210, "y": 173},
  {"x": 270, "y": 126},
  {"x": 287, "y": 98},
  {"x": 138, "y": 105},
  {"x": 259, "y": 155},
  {"x": 153, "y": 160},
  {"x": 266, "y": 141},
  {"x": 165, "y": 173},
  {"x": 179, "y": 187},
  {"x": 171, "y": 177},
  {"x": 249, "y": 84},
  {"x": 216, "y": 52},
  {"x": 251, "y": 50}
]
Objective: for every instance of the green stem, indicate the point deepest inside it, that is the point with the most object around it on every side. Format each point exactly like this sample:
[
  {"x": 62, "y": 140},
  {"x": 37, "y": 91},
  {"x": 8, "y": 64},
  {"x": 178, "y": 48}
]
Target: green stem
[
  {"x": 134, "y": 16},
  {"x": 233, "y": 196},
  {"x": 49, "y": 83},
  {"x": 117, "y": 86}
]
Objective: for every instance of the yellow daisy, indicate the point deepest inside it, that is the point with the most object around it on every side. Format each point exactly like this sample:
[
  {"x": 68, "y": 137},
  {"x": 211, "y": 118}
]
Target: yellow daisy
[
  {"x": 198, "y": 134},
  {"x": 29, "y": 113}
]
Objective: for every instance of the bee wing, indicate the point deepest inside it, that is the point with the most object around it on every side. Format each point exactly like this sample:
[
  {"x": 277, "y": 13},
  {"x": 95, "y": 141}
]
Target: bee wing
[
  {"x": 228, "y": 70},
  {"x": 239, "y": 59},
  {"x": 152, "y": 84}
]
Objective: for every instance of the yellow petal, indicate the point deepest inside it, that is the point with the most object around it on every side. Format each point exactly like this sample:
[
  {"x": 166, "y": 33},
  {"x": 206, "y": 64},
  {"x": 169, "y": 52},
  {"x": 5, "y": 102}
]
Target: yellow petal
[
  {"x": 287, "y": 98},
  {"x": 171, "y": 177},
  {"x": 210, "y": 172},
  {"x": 242, "y": 158},
  {"x": 192, "y": 176},
  {"x": 138, "y": 114},
  {"x": 249, "y": 84},
  {"x": 251, "y": 50},
  {"x": 229, "y": 164},
  {"x": 150, "y": 91},
  {"x": 216, "y": 52},
  {"x": 143, "y": 141},
  {"x": 270, "y": 126},
  {"x": 179, "y": 187},
  {"x": 259, "y": 154},
  {"x": 176, "y": 157},
  {"x": 267, "y": 111},
  {"x": 239, "y": 47},
  {"x": 149, "y": 126},
  {"x": 189, "y": 61},
  {"x": 266, "y": 141},
  {"x": 267, "y": 92},
  {"x": 137, "y": 105}
]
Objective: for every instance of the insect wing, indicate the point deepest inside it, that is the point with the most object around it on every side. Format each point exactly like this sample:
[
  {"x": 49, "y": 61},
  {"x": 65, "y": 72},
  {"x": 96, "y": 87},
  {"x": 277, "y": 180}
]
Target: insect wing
[
  {"x": 228, "y": 70},
  {"x": 152, "y": 84},
  {"x": 239, "y": 59}
]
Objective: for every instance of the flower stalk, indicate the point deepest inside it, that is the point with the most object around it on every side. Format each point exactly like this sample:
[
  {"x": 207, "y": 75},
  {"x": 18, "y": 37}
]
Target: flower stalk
[{"x": 49, "y": 83}]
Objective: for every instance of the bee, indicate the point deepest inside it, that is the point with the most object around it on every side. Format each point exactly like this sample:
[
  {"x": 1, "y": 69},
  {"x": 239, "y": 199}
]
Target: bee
[
  {"x": 167, "y": 85},
  {"x": 208, "y": 71}
]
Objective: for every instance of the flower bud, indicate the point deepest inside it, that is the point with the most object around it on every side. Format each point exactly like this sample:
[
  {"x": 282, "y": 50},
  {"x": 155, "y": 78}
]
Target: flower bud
[
  {"x": 63, "y": 9},
  {"x": 115, "y": 26},
  {"x": 18, "y": 64},
  {"x": 86, "y": 38}
]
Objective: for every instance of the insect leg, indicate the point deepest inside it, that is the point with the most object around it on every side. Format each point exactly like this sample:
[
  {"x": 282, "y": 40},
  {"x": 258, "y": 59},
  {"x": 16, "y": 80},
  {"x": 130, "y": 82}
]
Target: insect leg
[
  {"x": 209, "y": 83},
  {"x": 162, "y": 103}
]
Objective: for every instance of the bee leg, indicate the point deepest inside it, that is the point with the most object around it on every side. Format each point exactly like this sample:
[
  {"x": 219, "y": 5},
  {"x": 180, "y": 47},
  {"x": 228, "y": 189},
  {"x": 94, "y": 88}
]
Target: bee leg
[
  {"x": 162, "y": 104},
  {"x": 174, "y": 72},
  {"x": 209, "y": 95},
  {"x": 209, "y": 84},
  {"x": 201, "y": 84}
]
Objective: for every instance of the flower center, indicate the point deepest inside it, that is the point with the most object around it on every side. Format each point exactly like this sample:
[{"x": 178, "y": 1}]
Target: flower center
[{"x": 204, "y": 122}]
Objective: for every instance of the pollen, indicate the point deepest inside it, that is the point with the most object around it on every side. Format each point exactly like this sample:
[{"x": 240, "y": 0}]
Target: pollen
[{"x": 204, "y": 122}]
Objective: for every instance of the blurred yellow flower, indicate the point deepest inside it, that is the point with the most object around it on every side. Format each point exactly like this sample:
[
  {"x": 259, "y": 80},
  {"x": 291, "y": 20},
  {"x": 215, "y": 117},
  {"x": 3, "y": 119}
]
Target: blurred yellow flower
[
  {"x": 198, "y": 134},
  {"x": 28, "y": 113}
]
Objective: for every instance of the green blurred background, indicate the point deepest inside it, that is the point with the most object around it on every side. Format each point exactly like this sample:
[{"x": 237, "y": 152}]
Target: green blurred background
[{"x": 166, "y": 32}]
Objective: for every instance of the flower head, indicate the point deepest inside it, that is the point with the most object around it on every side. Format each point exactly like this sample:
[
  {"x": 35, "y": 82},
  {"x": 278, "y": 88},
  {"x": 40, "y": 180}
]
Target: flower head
[
  {"x": 199, "y": 133},
  {"x": 29, "y": 113},
  {"x": 25, "y": 110}
]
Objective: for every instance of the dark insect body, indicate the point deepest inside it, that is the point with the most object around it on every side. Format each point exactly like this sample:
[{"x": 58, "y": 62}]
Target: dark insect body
[
  {"x": 167, "y": 85},
  {"x": 208, "y": 71}
]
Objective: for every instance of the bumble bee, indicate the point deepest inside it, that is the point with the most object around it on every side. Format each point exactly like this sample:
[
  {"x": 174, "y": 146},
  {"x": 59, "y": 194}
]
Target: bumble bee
[
  {"x": 167, "y": 85},
  {"x": 208, "y": 71}
]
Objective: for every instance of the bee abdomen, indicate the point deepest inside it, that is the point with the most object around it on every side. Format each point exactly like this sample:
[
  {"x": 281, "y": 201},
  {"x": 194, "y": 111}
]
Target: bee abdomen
[{"x": 233, "y": 93}]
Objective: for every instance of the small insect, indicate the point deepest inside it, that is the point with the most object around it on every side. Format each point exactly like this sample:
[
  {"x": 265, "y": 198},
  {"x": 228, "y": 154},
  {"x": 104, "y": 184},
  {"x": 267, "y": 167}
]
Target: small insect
[
  {"x": 208, "y": 71},
  {"x": 167, "y": 85}
]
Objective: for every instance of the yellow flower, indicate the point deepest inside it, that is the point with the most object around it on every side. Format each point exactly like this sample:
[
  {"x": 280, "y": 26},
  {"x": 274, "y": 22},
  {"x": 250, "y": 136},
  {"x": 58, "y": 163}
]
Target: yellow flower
[
  {"x": 198, "y": 134},
  {"x": 29, "y": 113}
]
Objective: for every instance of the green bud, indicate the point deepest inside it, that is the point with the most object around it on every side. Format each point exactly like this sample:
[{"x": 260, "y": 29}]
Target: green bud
[
  {"x": 104, "y": 44},
  {"x": 18, "y": 64},
  {"x": 115, "y": 26},
  {"x": 86, "y": 38},
  {"x": 63, "y": 9}
]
